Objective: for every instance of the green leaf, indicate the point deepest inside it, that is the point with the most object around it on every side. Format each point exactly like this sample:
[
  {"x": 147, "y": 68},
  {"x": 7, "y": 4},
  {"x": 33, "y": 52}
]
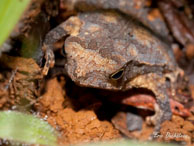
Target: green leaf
[
  {"x": 10, "y": 12},
  {"x": 25, "y": 128}
]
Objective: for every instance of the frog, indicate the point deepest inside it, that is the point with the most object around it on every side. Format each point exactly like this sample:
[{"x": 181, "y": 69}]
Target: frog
[{"x": 107, "y": 49}]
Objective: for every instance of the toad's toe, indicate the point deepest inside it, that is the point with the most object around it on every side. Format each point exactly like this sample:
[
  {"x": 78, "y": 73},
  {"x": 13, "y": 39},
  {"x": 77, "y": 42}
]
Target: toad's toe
[{"x": 50, "y": 61}]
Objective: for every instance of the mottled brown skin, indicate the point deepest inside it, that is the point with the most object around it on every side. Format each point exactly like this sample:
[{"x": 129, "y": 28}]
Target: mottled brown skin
[
  {"x": 107, "y": 50},
  {"x": 138, "y": 9}
]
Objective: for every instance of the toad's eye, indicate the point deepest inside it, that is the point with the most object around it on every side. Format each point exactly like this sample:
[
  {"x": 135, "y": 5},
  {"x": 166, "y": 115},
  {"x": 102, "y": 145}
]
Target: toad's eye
[
  {"x": 117, "y": 75},
  {"x": 63, "y": 50}
]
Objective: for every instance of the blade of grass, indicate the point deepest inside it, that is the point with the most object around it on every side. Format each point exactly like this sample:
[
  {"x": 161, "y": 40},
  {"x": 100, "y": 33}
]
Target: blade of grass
[
  {"x": 127, "y": 143},
  {"x": 10, "y": 12},
  {"x": 26, "y": 129}
]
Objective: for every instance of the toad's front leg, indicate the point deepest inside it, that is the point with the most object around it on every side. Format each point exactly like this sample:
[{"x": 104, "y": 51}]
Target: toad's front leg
[
  {"x": 52, "y": 37},
  {"x": 162, "y": 110},
  {"x": 162, "y": 107},
  {"x": 157, "y": 84},
  {"x": 69, "y": 27}
]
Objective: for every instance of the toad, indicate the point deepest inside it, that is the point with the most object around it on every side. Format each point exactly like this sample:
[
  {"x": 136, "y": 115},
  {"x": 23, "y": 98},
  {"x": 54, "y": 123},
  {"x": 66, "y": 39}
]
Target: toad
[{"x": 109, "y": 50}]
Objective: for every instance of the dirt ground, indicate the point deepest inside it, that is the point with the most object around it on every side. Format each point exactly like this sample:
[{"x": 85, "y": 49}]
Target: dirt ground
[{"x": 83, "y": 115}]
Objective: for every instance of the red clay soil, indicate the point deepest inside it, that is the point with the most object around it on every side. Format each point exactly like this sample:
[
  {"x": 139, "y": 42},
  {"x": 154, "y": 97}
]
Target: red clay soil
[{"x": 74, "y": 126}]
